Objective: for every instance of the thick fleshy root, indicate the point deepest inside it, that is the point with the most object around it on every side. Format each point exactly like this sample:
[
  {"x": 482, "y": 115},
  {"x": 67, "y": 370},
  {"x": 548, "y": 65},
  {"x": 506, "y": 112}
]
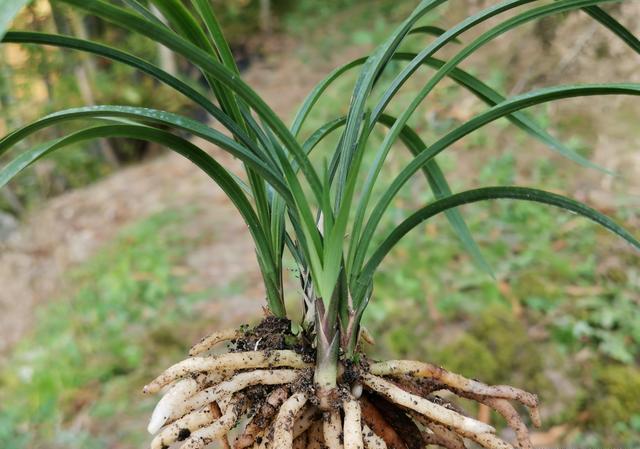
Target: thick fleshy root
[
  {"x": 230, "y": 362},
  {"x": 383, "y": 405},
  {"x": 352, "y": 425},
  {"x": 208, "y": 342},
  {"x": 332, "y": 428}
]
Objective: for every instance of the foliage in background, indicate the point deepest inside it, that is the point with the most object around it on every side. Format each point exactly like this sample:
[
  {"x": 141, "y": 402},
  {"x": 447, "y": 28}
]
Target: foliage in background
[{"x": 39, "y": 80}]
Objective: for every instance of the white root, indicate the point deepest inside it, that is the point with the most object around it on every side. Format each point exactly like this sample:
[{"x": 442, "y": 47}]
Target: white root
[
  {"x": 232, "y": 361},
  {"x": 304, "y": 421},
  {"x": 257, "y": 377},
  {"x": 283, "y": 425},
  {"x": 300, "y": 442},
  {"x": 440, "y": 435},
  {"x": 182, "y": 428},
  {"x": 221, "y": 392},
  {"x": 217, "y": 413},
  {"x": 255, "y": 428},
  {"x": 430, "y": 371},
  {"x": 371, "y": 440},
  {"x": 431, "y": 410},
  {"x": 449, "y": 439},
  {"x": 315, "y": 439},
  {"x": 453, "y": 440},
  {"x": 510, "y": 414},
  {"x": 178, "y": 394},
  {"x": 490, "y": 441},
  {"x": 332, "y": 428},
  {"x": 208, "y": 342},
  {"x": 352, "y": 425},
  {"x": 221, "y": 427}
]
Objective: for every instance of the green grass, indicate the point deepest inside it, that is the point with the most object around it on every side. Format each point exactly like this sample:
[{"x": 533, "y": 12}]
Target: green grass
[{"x": 90, "y": 353}]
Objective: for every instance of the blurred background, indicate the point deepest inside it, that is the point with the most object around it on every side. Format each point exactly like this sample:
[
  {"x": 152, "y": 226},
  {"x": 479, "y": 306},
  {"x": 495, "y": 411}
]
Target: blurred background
[{"x": 115, "y": 257}]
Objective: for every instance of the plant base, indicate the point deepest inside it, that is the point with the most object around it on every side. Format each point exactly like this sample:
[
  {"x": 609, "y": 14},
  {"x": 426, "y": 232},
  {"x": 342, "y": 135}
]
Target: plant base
[{"x": 267, "y": 377}]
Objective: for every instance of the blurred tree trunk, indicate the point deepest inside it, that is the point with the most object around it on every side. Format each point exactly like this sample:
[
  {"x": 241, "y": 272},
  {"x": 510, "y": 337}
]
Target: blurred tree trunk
[
  {"x": 166, "y": 57},
  {"x": 84, "y": 71},
  {"x": 265, "y": 16},
  {"x": 44, "y": 69}
]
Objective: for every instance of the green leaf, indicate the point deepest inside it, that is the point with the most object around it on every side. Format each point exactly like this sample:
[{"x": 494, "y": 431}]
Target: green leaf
[
  {"x": 180, "y": 18},
  {"x": 434, "y": 176},
  {"x": 143, "y": 11},
  {"x": 470, "y": 49},
  {"x": 117, "y": 55},
  {"x": 200, "y": 158},
  {"x": 201, "y": 58},
  {"x": 616, "y": 27},
  {"x": 463, "y": 78},
  {"x": 451, "y": 34},
  {"x": 215, "y": 32},
  {"x": 20, "y": 37},
  {"x": 440, "y": 188},
  {"x": 9, "y": 9},
  {"x": 487, "y": 193},
  {"x": 408, "y": 111},
  {"x": 501, "y": 110},
  {"x": 520, "y": 119},
  {"x": 431, "y": 30},
  {"x": 370, "y": 71},
  {"x": 146, "y": 115},
  {"x": 309, "y": 237}
]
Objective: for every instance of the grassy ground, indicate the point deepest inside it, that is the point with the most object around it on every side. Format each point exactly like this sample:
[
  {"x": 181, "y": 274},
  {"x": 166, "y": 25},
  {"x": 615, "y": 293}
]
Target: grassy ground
[
  {"x": 560, "y": 318},
  {"x": 89, "y": 353}
]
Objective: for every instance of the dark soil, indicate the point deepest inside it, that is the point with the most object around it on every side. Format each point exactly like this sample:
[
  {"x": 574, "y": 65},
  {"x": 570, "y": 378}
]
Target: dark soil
[{"x": 272, "y": 334}]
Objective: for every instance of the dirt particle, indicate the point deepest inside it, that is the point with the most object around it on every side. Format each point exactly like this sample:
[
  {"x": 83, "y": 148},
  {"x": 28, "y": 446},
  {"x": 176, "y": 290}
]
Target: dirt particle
[{"x": 183, "y": 434}]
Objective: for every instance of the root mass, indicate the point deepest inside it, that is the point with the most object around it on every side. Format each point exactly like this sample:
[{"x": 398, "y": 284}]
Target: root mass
[{"x": 265, "y": 383}]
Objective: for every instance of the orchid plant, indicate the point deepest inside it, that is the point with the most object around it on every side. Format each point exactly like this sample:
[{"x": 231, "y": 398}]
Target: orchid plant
[{"x": 312, "y": 384}]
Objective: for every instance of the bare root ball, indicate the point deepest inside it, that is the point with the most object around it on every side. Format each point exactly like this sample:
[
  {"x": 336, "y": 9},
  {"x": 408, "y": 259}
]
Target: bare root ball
[{"x": 268, "y": 388}]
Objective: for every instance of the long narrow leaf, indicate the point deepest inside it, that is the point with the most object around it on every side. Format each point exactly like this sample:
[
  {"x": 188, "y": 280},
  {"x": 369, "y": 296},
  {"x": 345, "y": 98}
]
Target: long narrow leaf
[
  {"x": 509, "y": 24},
  {"x": 488, "y": 193},
  {"x": 451, "y": 34},
  {"x": 616, "y": 27},
  {"x": 20, "y": 37},
  {"x": 123, "y": 18},
  {"x": 220, "y": 43},
  {"x": 501, "y": 110},
  {"x": 154, "y": 116},
  {"x": 363, "y": 86},
  {"x": 466, "y": 80},
  {"x": 434, "y": 176},
  {"x": 179, "y": 145},
  {"x": 143, "y": 11},
  {"x": 520, "y": 19}
]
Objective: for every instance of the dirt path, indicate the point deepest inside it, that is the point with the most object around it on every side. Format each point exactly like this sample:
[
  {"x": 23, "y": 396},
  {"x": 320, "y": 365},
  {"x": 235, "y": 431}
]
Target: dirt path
[{"x": 68, "y": 229}]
